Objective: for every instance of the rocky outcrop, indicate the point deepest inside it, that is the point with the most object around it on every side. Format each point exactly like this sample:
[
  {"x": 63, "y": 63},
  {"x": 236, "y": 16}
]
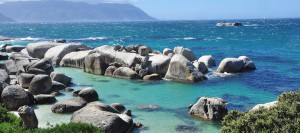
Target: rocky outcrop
[
  {"x": 14, "y": 96},
  {"x": 24, "y": 79},
  {"x": 126, "y": 73},
  {"x": 61, "y": 78},
  {"x": 11, "y": 67},
  {"x": 167, "y": 51},
  {"x": 89, "y": 94},
  {"x": 44, "y": 99},
  {"x": 68, "y": 106},
  {"x": 248, "y": 63},
  {"x": 74, "y": 59},
  {"x": 123, "y": 58},
  {"x": 144, "y": 50},
  {"x": 38, "y": 49},
  {"x": 266, "y": 106},
  {"x": 42, "y": 65},
  {"x": 210, "y": 108},
  {"x": 230, "y": 65},
  {"x": 40, "y": 84},
  {"x": 95, "y": 64},
  {"x": 158, "y": 64},
  {"x": 187, "y": 53},
  {"x": 181, "y": 69},
  {"x": 104, "y": 117},
  {"x": 3, "y": 56},
  {"x": 55, "y": 54},
  {"x": 14, "y": 48},
  {"x": 28, "y": 117},
  {"x": 208, "y": 60}
]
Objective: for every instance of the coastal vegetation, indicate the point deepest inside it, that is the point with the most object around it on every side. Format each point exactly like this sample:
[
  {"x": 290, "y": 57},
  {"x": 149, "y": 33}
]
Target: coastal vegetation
[
  {"x": 281, "y": 118},
  {"x": 11, "y": 123}
]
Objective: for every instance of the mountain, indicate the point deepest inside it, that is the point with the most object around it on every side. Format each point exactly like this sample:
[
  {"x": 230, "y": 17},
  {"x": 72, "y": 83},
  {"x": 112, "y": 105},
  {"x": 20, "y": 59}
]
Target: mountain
[
  {"x": 4, "y": 19},
  {"x": 66, "y": 11}
]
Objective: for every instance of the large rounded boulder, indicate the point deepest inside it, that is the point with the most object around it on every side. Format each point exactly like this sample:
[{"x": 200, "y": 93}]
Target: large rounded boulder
[
  {"x": 187, "y": 53},
  {"x": 14, "y": 96},
  {"x": 104, "y": 117},
  {"x": 230, "y": 65},
  {"x": 95, "y": 64},
  {"x": 248, "y": 63},
  {"x": 68, "y": 106},
  {"x": 25, "y": 79},
  {"x": 181, "y": 69},
  {"x": 41, "y": 65},
  {"x": 210, "y": 108},
  {"x": 158, "y": 64},
  {"x": 44, "y": 99},
  {"x": 14, "y": 48},
  {"x": 40, "y": 84},
  {"x": 38, "y": 49},
  {"x": 126, "y": 73},
  {"x": 208, "y": 60},
  {"x": 61, "y": 78},
  {"x": 56, "y": 53},
  {"x": 89, "y": 94},
  {"x": 74, "y": 59},
  {"x": 4, "y": 77}
]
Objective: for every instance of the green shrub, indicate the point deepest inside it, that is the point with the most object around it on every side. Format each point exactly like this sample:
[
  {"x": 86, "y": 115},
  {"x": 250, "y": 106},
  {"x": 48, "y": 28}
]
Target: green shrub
[
  {"x": 10, "y": 123},
  {"x": 285, "y": 117}
]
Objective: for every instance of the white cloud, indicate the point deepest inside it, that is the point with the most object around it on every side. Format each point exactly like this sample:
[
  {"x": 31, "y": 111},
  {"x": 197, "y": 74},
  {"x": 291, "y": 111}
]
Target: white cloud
[{"x": 87, "y": 1}]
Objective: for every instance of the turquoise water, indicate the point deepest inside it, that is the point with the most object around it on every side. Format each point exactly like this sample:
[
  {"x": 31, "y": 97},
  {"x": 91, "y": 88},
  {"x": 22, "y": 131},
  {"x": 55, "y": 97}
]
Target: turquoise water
[{"x": 274, "y": 45}]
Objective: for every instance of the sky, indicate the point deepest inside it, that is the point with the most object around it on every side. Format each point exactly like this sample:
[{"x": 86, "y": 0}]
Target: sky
[{"x": 211, "y": 9}]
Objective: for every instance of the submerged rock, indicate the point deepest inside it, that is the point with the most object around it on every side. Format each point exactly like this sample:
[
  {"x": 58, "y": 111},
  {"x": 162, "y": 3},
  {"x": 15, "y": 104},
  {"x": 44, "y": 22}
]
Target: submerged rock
[
  {"x": 74, "y": 59},
  {"x": 186, "y": 128},
  {"x": 14, "y": 96},
  {"x": 151, "y": 107},
  {"x": 181, "y": 69},
  {"x": 209, "y": 108}
]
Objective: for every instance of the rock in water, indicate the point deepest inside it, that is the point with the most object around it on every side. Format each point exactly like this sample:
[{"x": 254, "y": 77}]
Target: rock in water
[
  {"x": 200, "y": 66},
  {"x": 103, "y": 117},
  {"x": 61, "y": 78},
  {"x": 57, "y": 86},
  {"x": 43, "y": 64},
  {"x": 126, "y": 73},
  {"x": 14, "y": 48},
  {"x": 24, "y": 79},
  {"x": 210, "y": 108},
  {"x": 28, "y": 117},
  {"x": 208, "y": 60},
  {"x": 110, "y": 70},
  {"x": 230, "y": 65},
  {"x": 181, "y": 69},
  {"x": 89, "y": 94},
  {"x": 68, "y": 106},
  {"x": 14, "y": 96},
  {"x": 248, "y": 63},
  {"x": 74, "y": 59},
  {"x": 159, "y": 64},
  {"x": 55, "y": 54},
  {"x": 187, "y": 53},
  {"x": 38, "y": 49},
  {"x": 40, "y": 84},
  {"x": 118, "y": 106},
  {"x": 152, "y": 77}
]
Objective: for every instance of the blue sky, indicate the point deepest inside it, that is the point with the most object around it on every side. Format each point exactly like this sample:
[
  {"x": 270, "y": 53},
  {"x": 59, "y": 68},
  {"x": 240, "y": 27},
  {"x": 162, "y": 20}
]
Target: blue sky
[
  {"x": 211, "y": 9},
  {"x": 220, "y": 9}
]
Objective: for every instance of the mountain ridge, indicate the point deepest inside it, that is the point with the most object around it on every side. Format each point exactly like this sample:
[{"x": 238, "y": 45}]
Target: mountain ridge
[{"x": 66, "y": 11}]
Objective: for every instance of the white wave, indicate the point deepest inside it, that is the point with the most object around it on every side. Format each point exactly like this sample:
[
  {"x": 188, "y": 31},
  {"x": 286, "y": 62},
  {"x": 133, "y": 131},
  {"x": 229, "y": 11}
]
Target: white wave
[
  {"x": 189, "y": 38},
  {"x": 96, "y": 38},
  {"x": 29, "y": 39},
  {"x": 219, "y": 38},
  {"x": 250, "y": 25}
]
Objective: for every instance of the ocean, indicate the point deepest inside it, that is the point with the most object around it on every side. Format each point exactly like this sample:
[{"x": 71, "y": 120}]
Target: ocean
[{"x": 274, "y": 46}]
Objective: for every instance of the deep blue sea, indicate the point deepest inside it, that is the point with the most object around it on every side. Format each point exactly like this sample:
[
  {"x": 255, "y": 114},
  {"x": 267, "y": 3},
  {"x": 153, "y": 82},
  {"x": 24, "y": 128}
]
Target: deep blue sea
[{"x": 274, "y": 46}]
